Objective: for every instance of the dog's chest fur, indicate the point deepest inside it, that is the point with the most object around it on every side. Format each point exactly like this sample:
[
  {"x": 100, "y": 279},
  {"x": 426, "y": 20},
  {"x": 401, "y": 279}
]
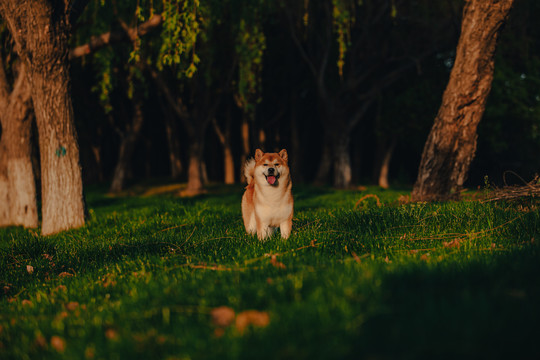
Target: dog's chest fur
[{"x": 273, "y": 204}]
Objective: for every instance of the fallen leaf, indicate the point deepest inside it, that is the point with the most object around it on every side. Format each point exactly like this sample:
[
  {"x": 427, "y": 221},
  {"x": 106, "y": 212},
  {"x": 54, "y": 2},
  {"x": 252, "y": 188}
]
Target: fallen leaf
[
  {"x": 62, "y": 315},
  {"x": 222, "y": 316},
  {"x": 40, "y": 341},
  {"x": 219, "y": 332},
  {"x": 30, "y": 269},
  {"x": 456, "y": 243},
  {"x": 108, "y": 282},
  {"x": 61, "y": 288},
  {"x": 424, "y": 257},
  {"x": 65, "y": 274},
  {"x": 111, "y": 334},
  {"x": 58, "y": 343},
  {"x": 251, "y": 317},
  {"x": 356, "y": 258},
  {"x": 276, "y": 263},
  {"x": 72, "y": 305},
  {"x": 26, "y": 302},
  {"x": 90, "y": 352},
  {"x": 387, "y": 260}
]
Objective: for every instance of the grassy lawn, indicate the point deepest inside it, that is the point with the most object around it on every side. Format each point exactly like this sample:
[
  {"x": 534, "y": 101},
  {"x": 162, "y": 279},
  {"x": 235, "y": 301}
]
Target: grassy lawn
[{"x": 157, "y": 276}]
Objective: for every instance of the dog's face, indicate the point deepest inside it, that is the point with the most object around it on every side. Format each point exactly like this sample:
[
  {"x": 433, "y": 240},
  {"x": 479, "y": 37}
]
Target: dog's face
[{"x": 271, "y": 167}]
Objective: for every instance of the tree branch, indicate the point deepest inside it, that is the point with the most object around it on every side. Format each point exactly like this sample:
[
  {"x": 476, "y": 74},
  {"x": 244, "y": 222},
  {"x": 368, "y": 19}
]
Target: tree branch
[{"x": 111, "y": 37}]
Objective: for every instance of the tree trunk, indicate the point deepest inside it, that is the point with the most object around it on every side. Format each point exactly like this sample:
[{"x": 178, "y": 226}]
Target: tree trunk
[
  {"x": 297, "y": 171},
  {"x": 383, "y": 163},
  {"x": 245, "y": 145},
  {"x": 127, "y": 146},
  {"x": 173, "y": 140},
  {"x": 41, "y": 30},
  {"x": 325, "y": 164},
  {"x": 451, "y": 144},
  {"x": 341, "y": 160},
  {"x": 229, "y": 163},
  {"x": 18, "y": 204},
  {"x": 195, "y": 171},
  {"x": 17, "y": 126},
  {"x": 5, "y": 213}
]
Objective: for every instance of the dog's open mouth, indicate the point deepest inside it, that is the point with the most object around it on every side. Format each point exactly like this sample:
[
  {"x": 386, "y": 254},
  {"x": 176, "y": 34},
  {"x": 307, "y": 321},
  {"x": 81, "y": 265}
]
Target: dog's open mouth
[{"x": 272, "y": 179}]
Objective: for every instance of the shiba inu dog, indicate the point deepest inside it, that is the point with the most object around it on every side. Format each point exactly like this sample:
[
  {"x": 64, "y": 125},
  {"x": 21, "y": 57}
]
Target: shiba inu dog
[{"x": 267, "y": 202}]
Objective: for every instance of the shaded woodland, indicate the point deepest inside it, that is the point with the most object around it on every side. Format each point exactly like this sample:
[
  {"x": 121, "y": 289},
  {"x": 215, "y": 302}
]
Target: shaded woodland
[{"x": 187, "y": 90}]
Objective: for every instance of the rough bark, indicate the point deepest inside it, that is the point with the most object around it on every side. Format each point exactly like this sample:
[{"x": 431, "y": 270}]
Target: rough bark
[
  {"x": 5, "y": 214},
  {"x": 16, "y": 121},
  {"x": 451, "y": 144},
  {"x": 41, "y": 30},
  {"x": 127, "y": 145}
]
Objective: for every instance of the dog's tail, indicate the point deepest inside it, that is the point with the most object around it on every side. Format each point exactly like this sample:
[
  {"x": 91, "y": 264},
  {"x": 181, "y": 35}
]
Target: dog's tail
[{"x": 249, "y": 170}]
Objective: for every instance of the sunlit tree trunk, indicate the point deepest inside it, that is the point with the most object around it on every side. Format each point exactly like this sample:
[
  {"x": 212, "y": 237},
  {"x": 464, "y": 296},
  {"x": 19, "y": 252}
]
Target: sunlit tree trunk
[
  {"x": 245, "y": 145},
  {"x": 195, "y": 184},
  {"x": 41, "y": 30},
  {"x": 16, "y": 121},
  {"x": 224, "y": 136},
  {"x": 383, "y": 166},
  {"x": 5, "y": 214},
  {"x": 451, "y": 144}
]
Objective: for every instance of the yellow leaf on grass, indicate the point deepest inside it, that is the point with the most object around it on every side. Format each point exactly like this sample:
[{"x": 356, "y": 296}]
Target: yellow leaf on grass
[
  {"x": 251, "y": 318},
  {"x": 456, "y": 243},
  {"x": 276, "y": 263},
  {"x": 29, "y": 269},
  {"x": 72, "y": 305},
  {"x": 222, "y": 316},
  {"x": 58, "y": 343}
]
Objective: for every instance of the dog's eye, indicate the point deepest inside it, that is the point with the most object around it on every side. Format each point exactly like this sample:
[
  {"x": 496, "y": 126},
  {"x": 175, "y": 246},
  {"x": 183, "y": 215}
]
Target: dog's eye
[
  {"x": 276, "y": 164},
  {"x": 265, "y": 164}
]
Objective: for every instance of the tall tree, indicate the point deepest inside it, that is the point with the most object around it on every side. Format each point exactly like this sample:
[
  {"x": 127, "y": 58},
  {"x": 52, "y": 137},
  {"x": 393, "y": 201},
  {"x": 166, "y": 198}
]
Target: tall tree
[
  {"x": 41, "y": 29},
  {"x": 451, "y": 144},
  {"x": 18, "y": 205},
  {"x": 352, "y": 67}
]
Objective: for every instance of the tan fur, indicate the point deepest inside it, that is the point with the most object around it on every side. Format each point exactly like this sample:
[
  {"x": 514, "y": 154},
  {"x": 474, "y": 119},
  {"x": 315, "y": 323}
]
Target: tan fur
[{"x": 267, "y": 206}]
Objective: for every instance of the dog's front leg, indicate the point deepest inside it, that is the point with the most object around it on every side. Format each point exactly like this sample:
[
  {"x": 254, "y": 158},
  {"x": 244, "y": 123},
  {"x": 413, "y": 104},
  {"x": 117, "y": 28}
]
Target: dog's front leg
[
  {"x": 285, "y": 228},
  {"x": 263, "y": 230}
]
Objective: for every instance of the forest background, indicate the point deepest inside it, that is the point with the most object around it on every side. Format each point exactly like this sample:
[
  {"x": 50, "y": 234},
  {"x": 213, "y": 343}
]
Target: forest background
[{"x": 187, "y": 89}]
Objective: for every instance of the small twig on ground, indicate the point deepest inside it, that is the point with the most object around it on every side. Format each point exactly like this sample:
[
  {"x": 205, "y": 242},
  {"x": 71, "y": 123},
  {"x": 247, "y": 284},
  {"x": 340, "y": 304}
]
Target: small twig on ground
[
  {"x": 366, "y": 197},
  {"x": 515, "y": 192}
]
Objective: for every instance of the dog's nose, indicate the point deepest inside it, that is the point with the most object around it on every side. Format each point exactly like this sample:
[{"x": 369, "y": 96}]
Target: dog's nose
[{"x": 271, "y": 171}]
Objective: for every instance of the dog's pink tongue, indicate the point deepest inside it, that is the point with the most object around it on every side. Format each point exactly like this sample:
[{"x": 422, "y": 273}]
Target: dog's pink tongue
[{"x": 271, "y": 180}]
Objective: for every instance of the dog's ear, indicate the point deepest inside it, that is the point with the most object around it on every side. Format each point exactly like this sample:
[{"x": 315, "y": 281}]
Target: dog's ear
[
  {"x": 258, "y": 154},
  {"x": 283, "y": 154}
]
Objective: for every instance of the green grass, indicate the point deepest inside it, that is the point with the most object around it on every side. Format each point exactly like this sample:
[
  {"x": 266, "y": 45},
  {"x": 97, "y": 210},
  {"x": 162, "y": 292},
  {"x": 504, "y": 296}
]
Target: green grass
[{"x": 407, "y": 281}]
